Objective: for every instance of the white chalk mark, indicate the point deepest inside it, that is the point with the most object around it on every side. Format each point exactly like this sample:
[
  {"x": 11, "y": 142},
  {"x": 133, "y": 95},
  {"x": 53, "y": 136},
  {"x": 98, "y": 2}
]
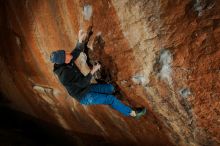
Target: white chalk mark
[{"x": 87, "y": 12}]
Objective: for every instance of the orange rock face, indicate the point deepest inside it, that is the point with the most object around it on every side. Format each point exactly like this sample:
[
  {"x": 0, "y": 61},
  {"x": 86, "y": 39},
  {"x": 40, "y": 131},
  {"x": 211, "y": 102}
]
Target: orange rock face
[{"x": 162, "y": 54}]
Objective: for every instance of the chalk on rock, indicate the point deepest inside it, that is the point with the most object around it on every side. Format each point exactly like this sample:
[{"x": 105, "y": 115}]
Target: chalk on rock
[
  {"x": 185, "y": 92},
  {"x": 99, "y": 33},
  {"x": 139, "y": 79},
  {"x": 87, "y": 12},
  {"x": 165, "y": 62}
]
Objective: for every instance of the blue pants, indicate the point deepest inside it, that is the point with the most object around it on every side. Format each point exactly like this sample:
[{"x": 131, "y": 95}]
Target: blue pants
[{"x": 101, "y": 94}]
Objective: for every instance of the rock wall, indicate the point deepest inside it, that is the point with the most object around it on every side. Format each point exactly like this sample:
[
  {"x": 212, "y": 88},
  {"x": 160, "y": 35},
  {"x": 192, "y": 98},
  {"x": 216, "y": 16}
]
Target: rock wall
[
  {"x": 176, "y": 44},
  {"x": 162, "y": 54}
]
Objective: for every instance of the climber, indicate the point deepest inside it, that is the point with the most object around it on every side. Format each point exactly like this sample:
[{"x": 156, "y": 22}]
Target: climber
[{"x": 79, "y": 86}]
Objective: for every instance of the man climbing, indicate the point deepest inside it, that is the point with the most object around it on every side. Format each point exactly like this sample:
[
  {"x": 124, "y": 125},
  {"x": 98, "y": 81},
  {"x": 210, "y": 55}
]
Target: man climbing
[{"x": 79, "y": 86}]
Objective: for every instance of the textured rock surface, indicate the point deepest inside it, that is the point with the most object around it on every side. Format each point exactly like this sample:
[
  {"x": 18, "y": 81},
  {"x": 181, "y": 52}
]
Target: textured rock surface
[
  {"x": 162, "y": 54},
  {"x": 177, "y": 45}
]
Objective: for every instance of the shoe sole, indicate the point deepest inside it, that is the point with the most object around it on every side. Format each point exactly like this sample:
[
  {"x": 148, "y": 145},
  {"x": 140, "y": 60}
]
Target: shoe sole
[{"x": 143, "y": 112}]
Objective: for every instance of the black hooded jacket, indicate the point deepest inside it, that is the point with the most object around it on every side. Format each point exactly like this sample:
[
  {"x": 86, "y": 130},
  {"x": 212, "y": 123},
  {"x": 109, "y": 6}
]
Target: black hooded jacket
[{"x": 70, "y": 76}]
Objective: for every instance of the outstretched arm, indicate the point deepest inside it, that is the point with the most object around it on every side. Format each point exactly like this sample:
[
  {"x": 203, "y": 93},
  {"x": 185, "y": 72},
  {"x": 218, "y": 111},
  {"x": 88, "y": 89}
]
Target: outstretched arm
[
  {"x": 78, "y": 49},
  {"x": 82, "y": 42},
  {"x": 89, "y": 34}
]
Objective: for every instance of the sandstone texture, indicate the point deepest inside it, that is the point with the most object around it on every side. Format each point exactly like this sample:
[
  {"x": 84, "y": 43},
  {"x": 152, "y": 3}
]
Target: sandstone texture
[{"x": 161, "y": 54}]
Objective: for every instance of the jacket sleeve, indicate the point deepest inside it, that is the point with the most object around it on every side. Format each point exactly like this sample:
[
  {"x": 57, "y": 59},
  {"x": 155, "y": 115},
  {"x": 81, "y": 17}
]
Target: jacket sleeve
[
  {"x": 84, "y": 81},
  {"x": 78, "y": 49}
]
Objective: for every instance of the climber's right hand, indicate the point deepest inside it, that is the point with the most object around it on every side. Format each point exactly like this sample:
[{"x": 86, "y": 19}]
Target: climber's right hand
[{"x": 95, "y": 68}]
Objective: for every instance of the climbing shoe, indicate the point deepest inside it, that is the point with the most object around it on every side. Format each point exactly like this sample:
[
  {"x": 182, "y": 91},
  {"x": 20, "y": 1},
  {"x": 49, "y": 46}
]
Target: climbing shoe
[{"x": 140, "y": 112}]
